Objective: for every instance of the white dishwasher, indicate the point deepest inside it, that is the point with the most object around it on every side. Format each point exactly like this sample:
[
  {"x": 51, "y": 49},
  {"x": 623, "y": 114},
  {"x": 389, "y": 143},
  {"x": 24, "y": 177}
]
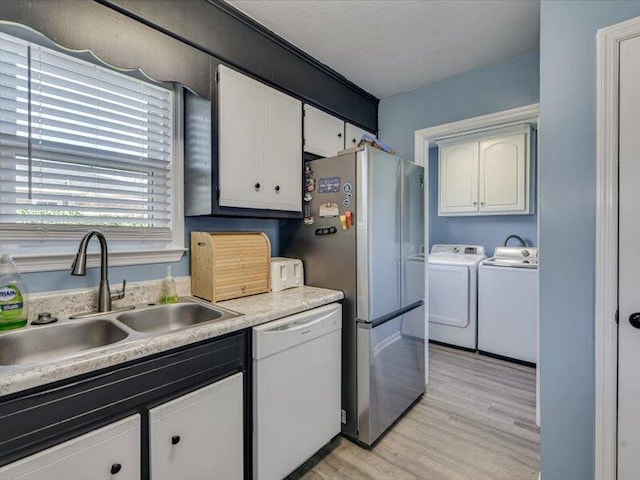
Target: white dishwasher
[{"x": 296, "y": 389}]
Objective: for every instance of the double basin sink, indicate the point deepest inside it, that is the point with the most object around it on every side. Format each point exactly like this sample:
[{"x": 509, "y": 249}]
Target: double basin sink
[{"x": 42, "y": 344}]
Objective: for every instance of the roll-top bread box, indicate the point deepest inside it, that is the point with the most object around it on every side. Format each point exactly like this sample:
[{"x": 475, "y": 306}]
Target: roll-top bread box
[{"x": 227, "y": 265}]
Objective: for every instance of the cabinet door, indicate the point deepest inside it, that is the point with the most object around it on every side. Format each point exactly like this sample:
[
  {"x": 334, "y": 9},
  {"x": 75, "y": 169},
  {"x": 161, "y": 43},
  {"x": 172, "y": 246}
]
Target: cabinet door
[
  {"x": 241, "y": 133},
  {"x": 323, "y": 133},
  {"x": 503, "y": 174},
  {"x": 458, "y": 178},
  {"x": 284, "y": 152},
  {"x": 199, "y": 436},
  {"x": 352, "y": 135},
  {"x": 108, "y": 453}
]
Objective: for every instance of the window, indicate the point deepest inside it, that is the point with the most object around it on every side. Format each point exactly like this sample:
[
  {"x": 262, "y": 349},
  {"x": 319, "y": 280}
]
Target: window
[{"x": 83, "y": 146}]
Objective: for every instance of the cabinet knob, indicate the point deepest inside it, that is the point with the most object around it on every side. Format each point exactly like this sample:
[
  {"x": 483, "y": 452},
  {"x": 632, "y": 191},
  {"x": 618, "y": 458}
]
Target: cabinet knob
[
  {"x": 475, "y": 203},
  {"x": 257, "y": 186},
  {"x": 175, "y": 440},
  {"x": 482, "y": 204},
  {"x": 277, "y": 188},
  {"x": 115, "y": 468},
  {"x": 339, "y": 135}
]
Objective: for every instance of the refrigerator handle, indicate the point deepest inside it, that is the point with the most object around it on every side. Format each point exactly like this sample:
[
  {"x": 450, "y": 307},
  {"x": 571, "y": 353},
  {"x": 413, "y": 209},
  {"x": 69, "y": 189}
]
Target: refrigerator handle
[{"x": 400, "y": 299}]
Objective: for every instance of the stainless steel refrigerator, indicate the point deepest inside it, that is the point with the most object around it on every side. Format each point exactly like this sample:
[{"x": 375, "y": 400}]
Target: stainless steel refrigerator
[{"x": 378, "y": 261}]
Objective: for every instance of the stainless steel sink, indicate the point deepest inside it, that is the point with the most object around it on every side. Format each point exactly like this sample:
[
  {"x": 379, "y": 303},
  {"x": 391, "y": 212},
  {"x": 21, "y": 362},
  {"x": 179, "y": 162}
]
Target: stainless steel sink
[
  {"x": 42, "y": 344},
  {"x": 176, "y": 316}
]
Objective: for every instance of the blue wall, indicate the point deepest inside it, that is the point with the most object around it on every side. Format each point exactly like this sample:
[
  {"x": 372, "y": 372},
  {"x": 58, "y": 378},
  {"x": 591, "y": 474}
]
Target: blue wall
[
  {"x": 509, "y": 84},
  {"x": 567, "y": 229},
  {"x": 62, "y": 280}
]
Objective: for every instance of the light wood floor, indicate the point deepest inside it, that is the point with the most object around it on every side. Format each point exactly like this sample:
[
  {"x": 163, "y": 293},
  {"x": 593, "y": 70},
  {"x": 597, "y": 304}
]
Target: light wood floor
[{"x": 477, "y": 421}]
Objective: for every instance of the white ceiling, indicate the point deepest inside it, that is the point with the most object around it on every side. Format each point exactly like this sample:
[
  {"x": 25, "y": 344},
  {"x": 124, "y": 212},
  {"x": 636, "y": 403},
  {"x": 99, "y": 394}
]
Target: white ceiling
[{"x": 393, "y": 46}]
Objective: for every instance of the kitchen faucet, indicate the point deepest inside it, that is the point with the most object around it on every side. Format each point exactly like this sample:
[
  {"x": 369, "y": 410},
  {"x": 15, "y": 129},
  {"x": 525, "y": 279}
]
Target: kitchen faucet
[
  {"x": 79, "y": 268},
  {"x": 518, "y": 238}
]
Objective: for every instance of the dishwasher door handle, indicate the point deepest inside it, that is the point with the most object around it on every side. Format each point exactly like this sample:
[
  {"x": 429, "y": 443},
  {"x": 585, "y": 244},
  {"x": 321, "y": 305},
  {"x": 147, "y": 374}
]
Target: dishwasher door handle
[{"x": 297, "y": 325}]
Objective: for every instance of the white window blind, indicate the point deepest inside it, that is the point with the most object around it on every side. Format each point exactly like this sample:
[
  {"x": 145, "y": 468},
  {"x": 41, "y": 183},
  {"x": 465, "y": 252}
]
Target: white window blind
[{"x": 81, "y": 145}]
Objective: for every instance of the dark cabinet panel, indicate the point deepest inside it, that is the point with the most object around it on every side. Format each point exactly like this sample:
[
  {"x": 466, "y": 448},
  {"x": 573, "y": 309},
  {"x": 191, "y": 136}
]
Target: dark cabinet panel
[{"x": 222, "y": 31}]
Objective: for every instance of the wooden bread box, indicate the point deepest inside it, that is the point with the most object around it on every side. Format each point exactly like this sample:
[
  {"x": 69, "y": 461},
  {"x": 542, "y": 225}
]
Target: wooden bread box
[{"x": 227, "y": 265}]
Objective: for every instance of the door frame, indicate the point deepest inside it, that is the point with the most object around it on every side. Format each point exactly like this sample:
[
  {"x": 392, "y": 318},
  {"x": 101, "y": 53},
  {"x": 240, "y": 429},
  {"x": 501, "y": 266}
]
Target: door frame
[
  {"x": 606, "y": 301},
  {"x": 425, "y": 138}
]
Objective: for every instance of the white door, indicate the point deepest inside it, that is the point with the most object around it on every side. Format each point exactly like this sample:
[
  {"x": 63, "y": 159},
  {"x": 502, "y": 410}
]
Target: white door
[
  {"x": 108, "y": 453},
  {"x": 242, "y": 136},
  {"x": 503, "y": 174},
  {"x": 199, "y": 436},
  {"x": 323, "y": 133},
  {"x": 458, "y": 178},
  {"x": 284, "y": 167},
  {"x": 629, "y": 263},
  {"x": 352, "y": 135}
]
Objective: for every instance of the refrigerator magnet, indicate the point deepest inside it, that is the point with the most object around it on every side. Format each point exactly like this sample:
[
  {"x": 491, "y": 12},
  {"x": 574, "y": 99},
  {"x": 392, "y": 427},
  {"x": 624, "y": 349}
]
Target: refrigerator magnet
[{"x": 329, "y": 210}]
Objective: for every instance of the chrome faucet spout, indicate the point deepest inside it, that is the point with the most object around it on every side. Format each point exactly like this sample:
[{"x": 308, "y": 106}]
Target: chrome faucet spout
[{"x": 79, "y": 267}]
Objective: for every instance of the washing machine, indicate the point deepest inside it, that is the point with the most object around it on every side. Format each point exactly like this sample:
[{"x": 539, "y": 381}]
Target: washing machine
[
  {"x": 508, "y": 304},
  {"x": 453, "y": 294}
]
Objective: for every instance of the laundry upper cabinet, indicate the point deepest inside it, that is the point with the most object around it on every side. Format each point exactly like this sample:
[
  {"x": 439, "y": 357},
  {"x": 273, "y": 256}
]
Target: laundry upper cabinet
[
  {"x": 259, "y": 145},
  {"x": 458, "y": 178},
  {"x": 323, "y": 133},
  {"x": 489, "y": 174}
]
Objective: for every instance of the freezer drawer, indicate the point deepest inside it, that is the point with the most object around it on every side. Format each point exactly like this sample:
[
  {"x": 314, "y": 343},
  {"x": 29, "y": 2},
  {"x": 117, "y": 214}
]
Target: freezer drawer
[{"x": 391, "y": 362}]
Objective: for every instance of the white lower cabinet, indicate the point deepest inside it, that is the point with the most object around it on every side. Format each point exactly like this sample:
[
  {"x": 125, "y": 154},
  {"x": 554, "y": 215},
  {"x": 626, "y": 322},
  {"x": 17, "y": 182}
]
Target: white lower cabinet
[
  {"x": 108, "y": 453},
  {"x": 199, "y": 436}
]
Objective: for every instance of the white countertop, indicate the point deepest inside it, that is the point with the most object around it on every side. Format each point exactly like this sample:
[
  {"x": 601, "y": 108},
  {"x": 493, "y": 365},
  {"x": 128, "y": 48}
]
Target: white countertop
[{"x": 256, "y": 309}]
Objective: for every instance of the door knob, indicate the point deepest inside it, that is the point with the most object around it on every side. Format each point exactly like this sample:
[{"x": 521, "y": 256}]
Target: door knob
[{"x": 634, "y": 319}]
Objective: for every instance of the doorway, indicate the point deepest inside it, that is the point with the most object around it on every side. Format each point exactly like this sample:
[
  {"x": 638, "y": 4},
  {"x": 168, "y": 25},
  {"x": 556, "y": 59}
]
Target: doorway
[
  {"x": 506, "y": 124},
  {"x": 617, "y": 338}
]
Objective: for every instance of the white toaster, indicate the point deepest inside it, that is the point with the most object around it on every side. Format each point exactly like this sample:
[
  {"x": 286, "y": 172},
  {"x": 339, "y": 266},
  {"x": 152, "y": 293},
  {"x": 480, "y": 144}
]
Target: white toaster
[{"x": 286, "y": 273}]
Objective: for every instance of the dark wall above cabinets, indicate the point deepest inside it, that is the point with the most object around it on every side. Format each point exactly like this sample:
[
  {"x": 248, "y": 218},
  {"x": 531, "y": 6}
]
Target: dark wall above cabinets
[
  {"x": 115, "y": 38},
  {"x": 226, "y": 33}
]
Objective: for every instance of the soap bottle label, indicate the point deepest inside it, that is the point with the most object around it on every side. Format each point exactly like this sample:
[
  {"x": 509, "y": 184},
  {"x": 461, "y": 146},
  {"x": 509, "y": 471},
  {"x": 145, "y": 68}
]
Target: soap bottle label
[{"x": 11, "y": 303}]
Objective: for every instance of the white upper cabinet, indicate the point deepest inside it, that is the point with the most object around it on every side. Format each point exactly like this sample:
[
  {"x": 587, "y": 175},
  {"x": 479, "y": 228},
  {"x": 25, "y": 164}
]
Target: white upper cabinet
[
  {"x": 458, "y": 181},
  {"x": 259, "y": 145},
  {"x": 490, "y": 175},
  {"x": 242, "y": 136},
  {"x": 352, "y": 135},
  {"x": 285, "y": 151},
  {"x": 503, "y": 174},
  {"x": 323, "y": 133}
]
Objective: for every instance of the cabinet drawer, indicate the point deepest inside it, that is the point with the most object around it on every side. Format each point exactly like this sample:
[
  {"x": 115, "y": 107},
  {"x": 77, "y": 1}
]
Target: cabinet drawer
[
  {"x": 199, "y": 436},
  {"x": 92, "y": 456}
]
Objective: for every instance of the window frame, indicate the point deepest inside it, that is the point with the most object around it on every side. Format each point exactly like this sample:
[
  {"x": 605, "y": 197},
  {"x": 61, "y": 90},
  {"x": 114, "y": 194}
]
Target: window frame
[{"x": 126, "y": 246}]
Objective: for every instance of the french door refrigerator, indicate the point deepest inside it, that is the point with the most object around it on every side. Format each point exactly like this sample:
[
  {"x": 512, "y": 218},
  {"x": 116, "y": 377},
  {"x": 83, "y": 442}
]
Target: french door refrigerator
[{"x": 378, "y": 262}]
